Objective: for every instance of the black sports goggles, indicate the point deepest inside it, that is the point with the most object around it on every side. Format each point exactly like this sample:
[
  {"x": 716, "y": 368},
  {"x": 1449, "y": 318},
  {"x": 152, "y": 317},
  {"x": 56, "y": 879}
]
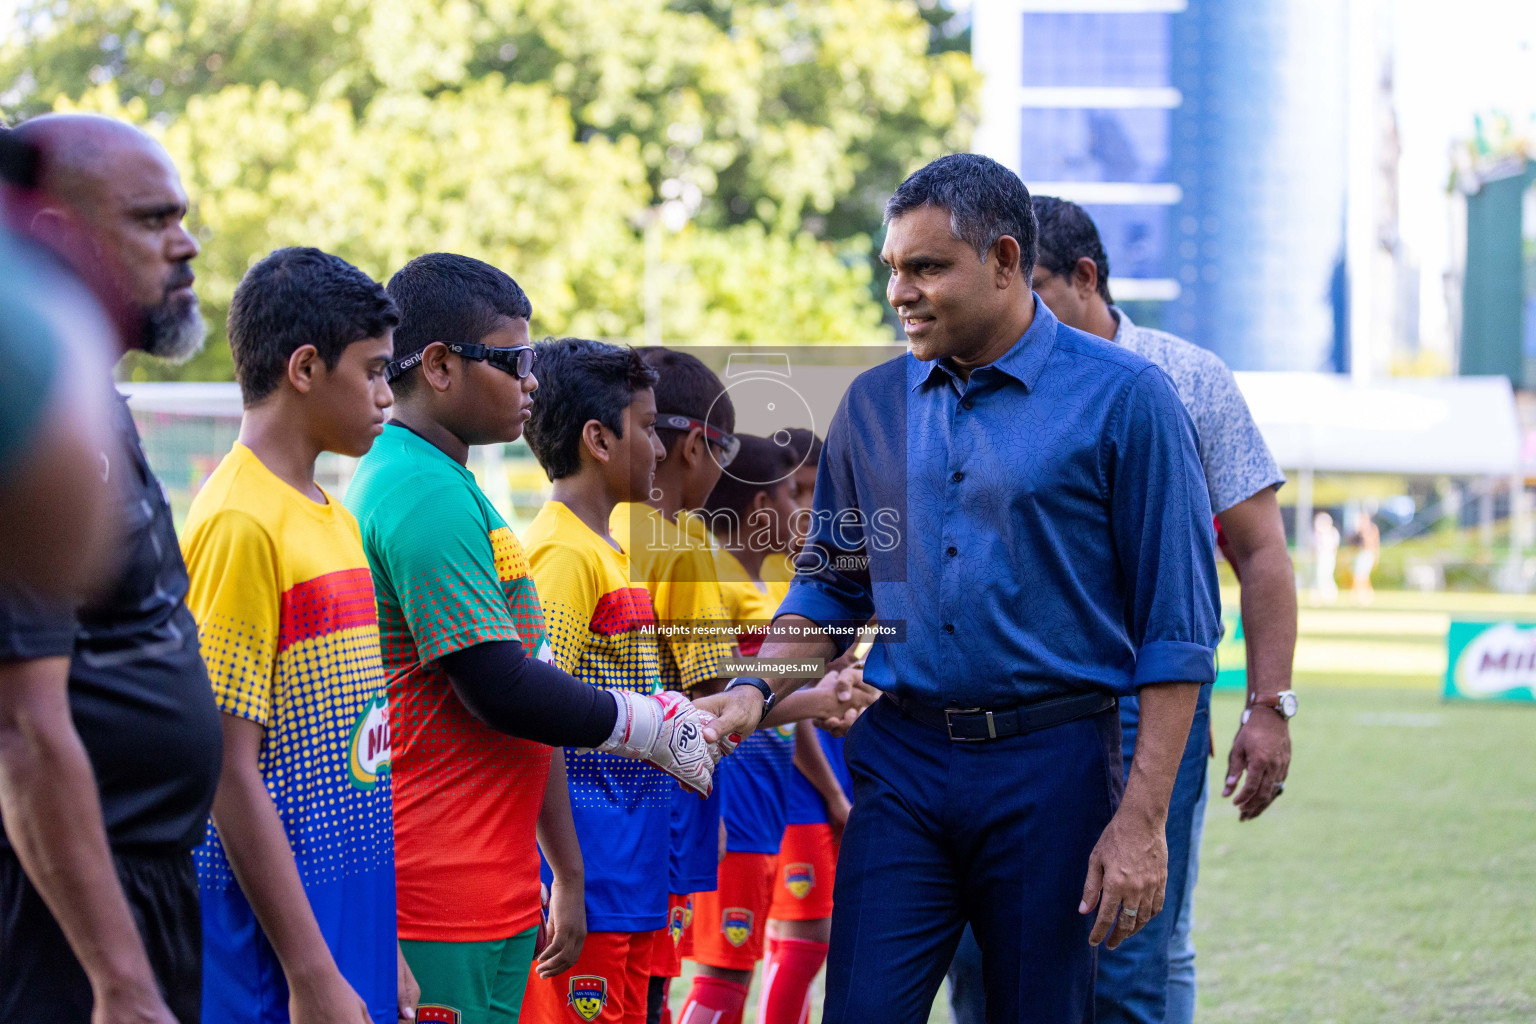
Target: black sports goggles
[
  {"x": 729, "y": 444},
  {"x": 518, "y": 360}
]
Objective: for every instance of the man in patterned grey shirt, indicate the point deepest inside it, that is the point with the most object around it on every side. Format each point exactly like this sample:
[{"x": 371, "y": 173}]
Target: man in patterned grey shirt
[{"x": 1150, "y": 978}]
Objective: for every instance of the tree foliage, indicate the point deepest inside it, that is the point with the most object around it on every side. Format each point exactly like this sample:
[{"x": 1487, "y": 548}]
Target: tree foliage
[{"x": 535, "y": 134}]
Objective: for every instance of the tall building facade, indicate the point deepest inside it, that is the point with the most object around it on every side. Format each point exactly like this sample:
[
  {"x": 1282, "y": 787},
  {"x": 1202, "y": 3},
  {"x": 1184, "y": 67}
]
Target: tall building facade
[{"x": 1208, "y": 140}]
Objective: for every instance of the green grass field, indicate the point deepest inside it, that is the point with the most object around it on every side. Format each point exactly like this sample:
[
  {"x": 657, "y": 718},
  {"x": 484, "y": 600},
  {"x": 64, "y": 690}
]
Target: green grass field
[{"x": 1396, "y": 879}]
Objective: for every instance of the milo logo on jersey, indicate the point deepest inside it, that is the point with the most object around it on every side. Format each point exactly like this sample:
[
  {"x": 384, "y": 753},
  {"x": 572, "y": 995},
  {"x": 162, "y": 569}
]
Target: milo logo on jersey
[
  {"x": 799, "y": 879},
  {"x": 589, "y": 994},
  {"x": 676, "y": 923},
  {"x": 736, "y": 923},
  {"x": 368, "y": 750}
]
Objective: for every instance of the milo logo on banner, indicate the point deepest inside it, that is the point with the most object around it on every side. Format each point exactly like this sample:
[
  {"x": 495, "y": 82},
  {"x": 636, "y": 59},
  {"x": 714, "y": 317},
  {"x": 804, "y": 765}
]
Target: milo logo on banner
[
  {"x": 368, "y": 750},
  {"x": 1491, "y": 661}
]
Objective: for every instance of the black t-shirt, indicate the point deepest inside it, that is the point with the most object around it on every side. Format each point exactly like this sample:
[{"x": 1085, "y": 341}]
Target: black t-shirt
[{"x": 138, "y": 691}]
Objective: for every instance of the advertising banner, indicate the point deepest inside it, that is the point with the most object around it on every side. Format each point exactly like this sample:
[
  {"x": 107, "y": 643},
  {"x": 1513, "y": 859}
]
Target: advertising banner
[
  {"x": 1232, "y": 652},
  {"x": 1491, "y": 661}
]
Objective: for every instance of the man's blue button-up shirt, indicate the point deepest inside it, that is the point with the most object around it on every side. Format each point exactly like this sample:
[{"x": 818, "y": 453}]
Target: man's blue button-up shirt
[{"x": 1037, "y": 531}]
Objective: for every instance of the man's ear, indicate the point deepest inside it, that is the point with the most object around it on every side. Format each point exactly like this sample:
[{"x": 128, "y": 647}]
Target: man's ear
[
  {"x": 598, "y": 440},
  {"x": 1085, "y": 276},
  {"x": 303, "y": 367},
  {"x": 1005, "y": 270},
  {"x": 434, "y": 366},
  {"x": 61, "y": 229}
]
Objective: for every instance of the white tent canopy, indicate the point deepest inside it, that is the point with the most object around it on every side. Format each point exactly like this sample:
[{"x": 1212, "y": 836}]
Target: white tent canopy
[{"x": 1446, "y": 426}]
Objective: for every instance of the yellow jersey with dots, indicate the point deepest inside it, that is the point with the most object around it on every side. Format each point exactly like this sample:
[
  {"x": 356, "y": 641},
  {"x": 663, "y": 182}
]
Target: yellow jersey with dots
[
  {"x": 599, "y": 623},
  {"x": 284, "y": 605}
]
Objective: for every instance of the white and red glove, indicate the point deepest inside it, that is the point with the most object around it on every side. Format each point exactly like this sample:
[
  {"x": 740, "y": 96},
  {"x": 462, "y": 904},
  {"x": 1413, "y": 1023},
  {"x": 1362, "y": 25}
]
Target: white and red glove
[{"x": 668, "y": 731}]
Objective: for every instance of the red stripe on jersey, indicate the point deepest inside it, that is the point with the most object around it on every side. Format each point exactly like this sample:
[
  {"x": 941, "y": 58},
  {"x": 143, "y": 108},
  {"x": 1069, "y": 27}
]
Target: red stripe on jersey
[
  {"x": 620, "y": 611},
  {"x": 326, "y": 604}
]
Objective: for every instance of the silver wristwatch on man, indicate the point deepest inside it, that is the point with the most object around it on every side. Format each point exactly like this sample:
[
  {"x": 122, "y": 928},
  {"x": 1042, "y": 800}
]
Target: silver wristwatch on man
[{"x": 1282, "y": 703}]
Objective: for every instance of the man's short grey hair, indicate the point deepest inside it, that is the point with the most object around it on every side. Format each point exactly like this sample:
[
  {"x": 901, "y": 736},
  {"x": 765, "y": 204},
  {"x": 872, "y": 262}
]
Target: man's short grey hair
[{"x": 985, "y": 201}]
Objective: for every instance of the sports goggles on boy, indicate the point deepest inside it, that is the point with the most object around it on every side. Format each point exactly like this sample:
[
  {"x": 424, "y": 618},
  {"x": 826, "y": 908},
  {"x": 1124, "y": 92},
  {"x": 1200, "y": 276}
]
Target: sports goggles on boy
[
  {"x": 518, "y": 360},
  {"x": 729, "y": 444}
]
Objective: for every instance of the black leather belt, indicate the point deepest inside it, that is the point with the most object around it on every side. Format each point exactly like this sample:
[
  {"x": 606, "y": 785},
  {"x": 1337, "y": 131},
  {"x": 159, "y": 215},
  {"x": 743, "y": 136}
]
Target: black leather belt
[{"x": 979, "y": 725}]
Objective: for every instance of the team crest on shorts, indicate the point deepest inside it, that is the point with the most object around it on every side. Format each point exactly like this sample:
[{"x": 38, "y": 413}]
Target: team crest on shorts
[
  {"x": 736, "y": 923},
  {"x": 589, "y": 994},
  {"x": 676, "y": 922},
  {"x": 687, "y": 911},
  {"x": 436, "y": 1013},
  {"x": 799, "y": 879}
]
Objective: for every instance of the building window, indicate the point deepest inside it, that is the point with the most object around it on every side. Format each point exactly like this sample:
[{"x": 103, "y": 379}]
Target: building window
[
  {"x": 1094, "y": 145},
  {"x": 1123, "y": 49}
]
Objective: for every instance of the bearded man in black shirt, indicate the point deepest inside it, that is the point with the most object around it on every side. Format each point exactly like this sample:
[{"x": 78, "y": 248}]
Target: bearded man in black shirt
[{"x": 109, "y": 738}]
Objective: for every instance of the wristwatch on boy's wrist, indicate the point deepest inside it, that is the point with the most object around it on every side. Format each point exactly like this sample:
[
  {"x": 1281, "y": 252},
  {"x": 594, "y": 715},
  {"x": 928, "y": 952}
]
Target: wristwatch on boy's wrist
[
  {"x": 761, "y": 686},
  {"x": 1282, "y": 703}
]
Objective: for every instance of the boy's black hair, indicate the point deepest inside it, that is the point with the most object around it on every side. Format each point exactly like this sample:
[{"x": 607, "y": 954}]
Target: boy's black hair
[
  {"x": 446, "y": 297},
  {"x": 580, "y": 380},
  {"x": 760, "y": 465},
  {"x": 805, "y": 445},
  {"x": 688, "y": 388},
  {"x": 295, "y": 297}
]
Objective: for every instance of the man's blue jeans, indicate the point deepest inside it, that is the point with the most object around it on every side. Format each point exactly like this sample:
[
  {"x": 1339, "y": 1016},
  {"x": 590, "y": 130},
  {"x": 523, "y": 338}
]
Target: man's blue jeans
[
  {"x": 1181, "y": 951},
  {"x": 993, "y": 834},
  {"x": 1133, "y": 981}
]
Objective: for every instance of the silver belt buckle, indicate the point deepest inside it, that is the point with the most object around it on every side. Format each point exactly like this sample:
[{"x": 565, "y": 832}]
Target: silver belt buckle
[{"x": 950, "y": 729}]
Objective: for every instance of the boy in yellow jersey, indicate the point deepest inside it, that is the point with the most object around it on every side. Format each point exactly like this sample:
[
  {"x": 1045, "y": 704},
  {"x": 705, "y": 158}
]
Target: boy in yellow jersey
[
  {"x": 297, "y": 873},
  {"x": 593, "y": 431},
  {"x": 670, "y": 555}
]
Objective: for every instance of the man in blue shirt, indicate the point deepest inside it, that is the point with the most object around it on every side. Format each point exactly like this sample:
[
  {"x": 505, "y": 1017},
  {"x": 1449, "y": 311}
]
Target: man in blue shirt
[{"x": 1023, "y": 504}]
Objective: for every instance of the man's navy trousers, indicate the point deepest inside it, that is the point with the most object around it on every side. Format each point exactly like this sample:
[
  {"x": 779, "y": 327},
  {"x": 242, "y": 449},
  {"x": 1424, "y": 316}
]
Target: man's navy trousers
[{"x": 996, "y": 833}]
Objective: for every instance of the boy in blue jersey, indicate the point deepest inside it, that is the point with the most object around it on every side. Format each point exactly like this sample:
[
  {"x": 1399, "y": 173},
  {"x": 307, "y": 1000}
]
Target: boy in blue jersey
[
  {"x": 669, "y": 553},
  {"x": 593, "y": 431}
]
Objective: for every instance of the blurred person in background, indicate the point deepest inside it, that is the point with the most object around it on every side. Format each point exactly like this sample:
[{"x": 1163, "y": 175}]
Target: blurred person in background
[
  {"x": 1325, "y": 555},
  {"x": 1366, "y": 557},
  {"x": 109, "y": 738},
  {"x": 1151, "y": 977},
  {"x": 53, "y": 409}
]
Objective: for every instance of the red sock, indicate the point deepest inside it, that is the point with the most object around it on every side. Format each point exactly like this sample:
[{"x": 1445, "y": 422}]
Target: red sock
[
  {"x": 787, "y": 982},
  {"x": 713, "y": 1001}
]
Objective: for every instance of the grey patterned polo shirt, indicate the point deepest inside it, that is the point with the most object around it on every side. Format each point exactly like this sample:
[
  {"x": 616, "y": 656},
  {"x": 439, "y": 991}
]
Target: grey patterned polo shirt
[{"x": 1237, "y": 462}]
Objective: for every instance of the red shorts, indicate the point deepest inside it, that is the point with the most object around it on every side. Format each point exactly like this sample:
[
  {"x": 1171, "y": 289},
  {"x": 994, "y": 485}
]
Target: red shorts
[
  {"x": 803, "y": 876},
  {"x": 667, "y": 957},
  {"x": 728, "y": 923},
  {"x": 608, "y": 984}
]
